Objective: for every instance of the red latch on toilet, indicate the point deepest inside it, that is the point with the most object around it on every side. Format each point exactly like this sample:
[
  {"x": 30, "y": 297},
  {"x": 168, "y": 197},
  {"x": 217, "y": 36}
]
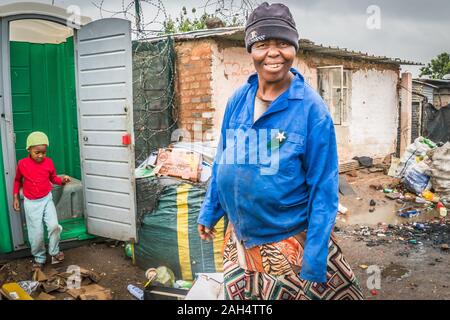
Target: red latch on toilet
[{"x": 126, "y": 139}]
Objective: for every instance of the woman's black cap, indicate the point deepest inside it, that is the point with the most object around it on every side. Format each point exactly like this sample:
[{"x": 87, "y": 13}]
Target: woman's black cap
[{"x": 270, "y": 22}]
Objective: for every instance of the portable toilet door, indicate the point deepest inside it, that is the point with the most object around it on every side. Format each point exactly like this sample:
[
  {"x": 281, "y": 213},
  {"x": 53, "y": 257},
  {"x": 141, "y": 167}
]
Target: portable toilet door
[
  {"x": 103, "y": 70},
  {"x": 105, "y": 121}
]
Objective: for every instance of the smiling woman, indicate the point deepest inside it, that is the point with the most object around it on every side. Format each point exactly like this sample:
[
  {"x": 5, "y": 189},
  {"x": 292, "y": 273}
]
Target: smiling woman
[{"x": 279, "y": 242}]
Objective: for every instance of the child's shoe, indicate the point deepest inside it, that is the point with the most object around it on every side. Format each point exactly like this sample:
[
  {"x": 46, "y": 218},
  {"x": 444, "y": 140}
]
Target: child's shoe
[{"x": 58, "y": 258}]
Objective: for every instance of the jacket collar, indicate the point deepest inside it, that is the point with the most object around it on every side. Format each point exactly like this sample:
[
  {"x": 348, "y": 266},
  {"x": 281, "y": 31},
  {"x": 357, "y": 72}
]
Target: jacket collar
[{"x": 296, "y": 89}]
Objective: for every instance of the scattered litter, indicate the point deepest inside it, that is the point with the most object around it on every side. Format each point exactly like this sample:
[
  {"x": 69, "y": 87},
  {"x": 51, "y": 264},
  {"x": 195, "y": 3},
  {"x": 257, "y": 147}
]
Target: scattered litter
[
  {"x": 366, "y": 162},
  {"x": 395, "y": 270},
  {"x": 431, "y": 232},
  {"x": 138, "y": 293},
  {"x": 363, "y": 266},
  {"x": 161, "y": 276},
  {"x": 39, "y": 276},
  {"x": 45, "y": 296},
  {"x": 442, "y": 210},
  {"x": 394, "y": 165},
  {"x": 91, "y": 292},
  {"x": 207, "y": 286},
  {"x": 183, "y": 284},
  {"x": 414, "y": 153},
  {"x": 376, "y": 169},
  {"x": 344, "y": 187},
  {"x": 393, "y": 195},
  {"x": 440, "y": 170},
  {"x": 342, "y": 209},
  {"x": 178, "y": 163},
  {"x": 13, "y": 291},
  {"x": 29, "y": 286}
]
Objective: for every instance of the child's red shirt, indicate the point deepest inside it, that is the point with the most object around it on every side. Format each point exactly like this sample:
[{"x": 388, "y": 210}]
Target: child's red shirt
[{"x": 37, "y": 178}]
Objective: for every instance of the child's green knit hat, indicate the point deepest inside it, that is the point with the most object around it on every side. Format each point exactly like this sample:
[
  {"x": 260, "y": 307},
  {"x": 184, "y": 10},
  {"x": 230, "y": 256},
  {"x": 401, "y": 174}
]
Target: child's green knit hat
[{"x": 36, "y": 138}]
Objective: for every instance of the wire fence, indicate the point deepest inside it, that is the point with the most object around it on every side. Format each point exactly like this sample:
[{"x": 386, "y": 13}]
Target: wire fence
[{"x": 155, "y": 111}]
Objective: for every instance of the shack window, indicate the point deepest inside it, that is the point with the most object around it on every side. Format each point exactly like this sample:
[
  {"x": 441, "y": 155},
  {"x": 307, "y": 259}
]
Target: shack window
[{"x": 334, "y": 87}]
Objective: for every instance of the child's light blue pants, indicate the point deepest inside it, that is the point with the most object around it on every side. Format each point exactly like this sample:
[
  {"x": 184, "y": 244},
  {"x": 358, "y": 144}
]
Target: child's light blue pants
[{"x": 37, "y": 212}]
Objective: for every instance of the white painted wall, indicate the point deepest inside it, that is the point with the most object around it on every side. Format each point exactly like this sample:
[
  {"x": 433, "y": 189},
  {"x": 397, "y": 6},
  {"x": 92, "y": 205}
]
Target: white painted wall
[
  {"x": 372, "y": 126},
  {"x": 372, "y": 130}
]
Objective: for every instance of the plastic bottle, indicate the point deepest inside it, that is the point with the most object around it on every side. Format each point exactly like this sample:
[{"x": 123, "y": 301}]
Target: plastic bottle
[
  {"x": 429, "y": 143},
  {"x": 409, "y": 213},
  {"x": 136, "y": 292},
  {"x": 442, "y": 210}
]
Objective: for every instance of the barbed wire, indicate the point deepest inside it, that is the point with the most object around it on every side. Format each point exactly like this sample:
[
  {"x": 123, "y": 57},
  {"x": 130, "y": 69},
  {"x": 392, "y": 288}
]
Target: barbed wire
[{"x": 155, "y": 111}]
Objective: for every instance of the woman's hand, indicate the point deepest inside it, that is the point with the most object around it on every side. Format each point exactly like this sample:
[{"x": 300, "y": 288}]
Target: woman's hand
[
  {"x": 206, "y": 233},
  {"x": 16, "y": 204},
  {"x": 66, "y": 179}
]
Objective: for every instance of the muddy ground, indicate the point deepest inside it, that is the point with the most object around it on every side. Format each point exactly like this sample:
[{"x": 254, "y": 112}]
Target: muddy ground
[{"x": 407, "y": 270}]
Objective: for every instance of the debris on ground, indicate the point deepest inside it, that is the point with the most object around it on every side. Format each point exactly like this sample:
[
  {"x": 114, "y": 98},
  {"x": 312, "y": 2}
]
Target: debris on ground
[
  {"x": 431, "y": 232},
  {"x": 342, "y": 209},
  {"x": 43, "y": 285},
  {"x": 364, "y": 161},
  {"x": 91, "y": 292},
  {"x": 395, "y": 271}
]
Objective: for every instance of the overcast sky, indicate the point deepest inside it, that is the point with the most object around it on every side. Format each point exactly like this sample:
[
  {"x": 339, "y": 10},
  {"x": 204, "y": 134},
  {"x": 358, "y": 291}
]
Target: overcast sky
[{"x": 415, "y": 30}]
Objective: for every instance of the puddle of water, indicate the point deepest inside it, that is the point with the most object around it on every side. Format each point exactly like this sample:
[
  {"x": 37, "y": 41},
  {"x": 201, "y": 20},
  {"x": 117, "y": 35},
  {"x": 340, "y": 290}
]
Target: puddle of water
[
  {"x": 395, "y": 270},
  {"x": 386, "y": 213}
]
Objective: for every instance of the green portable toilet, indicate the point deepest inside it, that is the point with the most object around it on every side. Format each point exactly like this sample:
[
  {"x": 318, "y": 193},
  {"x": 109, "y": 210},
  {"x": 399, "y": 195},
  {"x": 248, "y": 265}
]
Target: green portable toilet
[{"x": 78, "y": 91}]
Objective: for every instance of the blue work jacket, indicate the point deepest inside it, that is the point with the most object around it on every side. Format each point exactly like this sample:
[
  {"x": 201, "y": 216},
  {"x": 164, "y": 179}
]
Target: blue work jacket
[{"x": 277, "y": 176}]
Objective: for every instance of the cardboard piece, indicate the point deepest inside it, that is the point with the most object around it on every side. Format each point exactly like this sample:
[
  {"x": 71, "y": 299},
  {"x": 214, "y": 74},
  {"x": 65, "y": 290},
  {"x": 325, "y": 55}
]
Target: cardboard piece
[
  {"x": 45, "y": 296},
  {"x": 178, "y": 163},
  {"x": 57, "y": 283},
  {"x": 39, "y": 276},
  {"x": 91, "y": 292},
  {"x": 92, "y": 275},
  {"x": 207, "y": 286}
]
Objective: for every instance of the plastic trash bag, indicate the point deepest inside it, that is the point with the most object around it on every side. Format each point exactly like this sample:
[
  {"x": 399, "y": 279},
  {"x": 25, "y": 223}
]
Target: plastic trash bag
[
  {"x": 416, "y": 178},
  {"x": 414, "y": 153}
]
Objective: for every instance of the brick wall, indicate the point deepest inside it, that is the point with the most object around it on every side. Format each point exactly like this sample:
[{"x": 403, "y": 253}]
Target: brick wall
[{"x": 193, "y": 88}]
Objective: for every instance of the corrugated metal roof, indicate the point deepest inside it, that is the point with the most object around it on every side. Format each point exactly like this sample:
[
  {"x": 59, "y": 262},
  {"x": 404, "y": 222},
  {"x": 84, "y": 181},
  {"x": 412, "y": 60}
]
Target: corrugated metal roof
[
  {"x": 435, "y": 83},
  {"x": 237, "y": 34}
]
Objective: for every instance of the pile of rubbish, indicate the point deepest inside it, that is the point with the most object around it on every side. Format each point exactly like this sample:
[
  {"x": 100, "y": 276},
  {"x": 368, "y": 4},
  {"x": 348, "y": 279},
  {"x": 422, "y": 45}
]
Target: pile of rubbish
[
  {"x": 423, "y": 174},
  {"x": 170, "y": 187},
  {"x": 433, "y": 232},
  {"x": 76, "y": 284},
  {"x": 161, "y": 285}
]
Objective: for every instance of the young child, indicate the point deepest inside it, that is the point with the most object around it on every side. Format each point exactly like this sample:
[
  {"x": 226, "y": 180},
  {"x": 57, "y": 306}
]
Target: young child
[{"x": 35, "y": 174}]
